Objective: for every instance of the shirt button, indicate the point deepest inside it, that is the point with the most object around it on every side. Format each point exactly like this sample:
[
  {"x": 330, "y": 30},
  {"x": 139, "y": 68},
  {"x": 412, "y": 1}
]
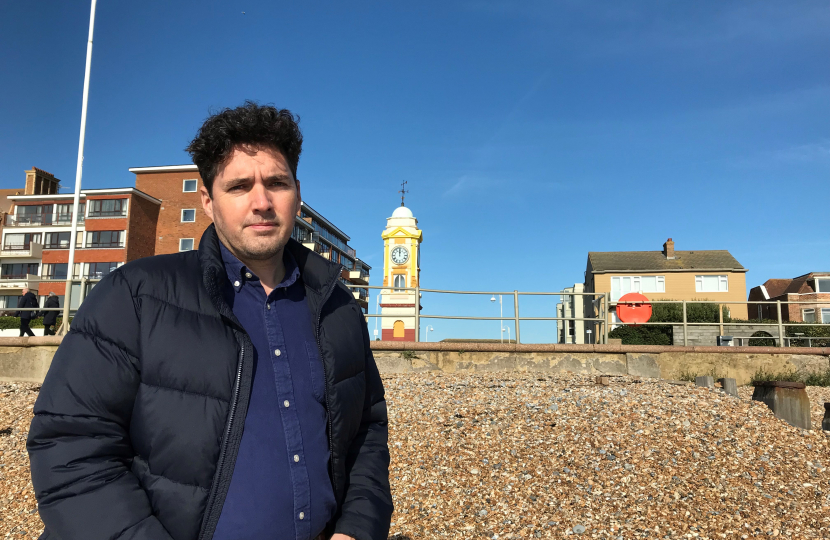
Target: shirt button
[
  {"x": 248, "y": 275},
  {"x": 296, "y": 458},
  {"x": 302, "y": 515},
  {"x": 285, "y": 403},
  {"x": 236, "y": 284},
  {"x": 277, "y": 352},
  {"x": 268, "y": 306}
]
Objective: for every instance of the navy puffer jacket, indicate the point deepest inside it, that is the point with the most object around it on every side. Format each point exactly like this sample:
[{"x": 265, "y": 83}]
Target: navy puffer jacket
[{"x": 139, "y": 420}]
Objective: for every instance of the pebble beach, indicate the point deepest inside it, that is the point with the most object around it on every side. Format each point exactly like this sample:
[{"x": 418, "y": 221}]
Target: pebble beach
[{"x": 529, "y": 455}]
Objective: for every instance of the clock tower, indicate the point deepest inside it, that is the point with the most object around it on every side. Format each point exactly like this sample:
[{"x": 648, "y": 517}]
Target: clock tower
[{"x": 401, "y": 269}]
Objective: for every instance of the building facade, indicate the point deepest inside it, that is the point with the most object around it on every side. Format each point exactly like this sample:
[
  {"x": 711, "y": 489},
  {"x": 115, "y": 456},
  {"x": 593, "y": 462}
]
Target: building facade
[
  {"x": 812, "y": 287},
  {"x": 114, "y": 226},
  {"x": 713, "y": 275},
  {"x": 401, "y": 269},
  {"x": 571, "y": 306}
]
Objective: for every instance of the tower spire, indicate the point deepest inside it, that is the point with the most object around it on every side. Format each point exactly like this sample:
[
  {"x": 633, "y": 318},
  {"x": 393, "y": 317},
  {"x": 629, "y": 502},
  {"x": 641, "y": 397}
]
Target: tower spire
[{"x": 403, "y": 191}]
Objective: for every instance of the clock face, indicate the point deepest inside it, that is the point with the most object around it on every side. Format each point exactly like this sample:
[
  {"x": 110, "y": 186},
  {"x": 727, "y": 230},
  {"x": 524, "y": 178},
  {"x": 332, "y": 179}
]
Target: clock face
[{"x": 399, "y": 255}]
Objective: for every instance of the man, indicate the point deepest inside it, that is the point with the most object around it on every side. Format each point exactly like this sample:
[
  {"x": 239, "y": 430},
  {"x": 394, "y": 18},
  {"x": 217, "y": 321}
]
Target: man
[
  {"x": 225, "y": 394},
  {"x": 27, "y": 300},
  {"x": 50, "y": 318}
]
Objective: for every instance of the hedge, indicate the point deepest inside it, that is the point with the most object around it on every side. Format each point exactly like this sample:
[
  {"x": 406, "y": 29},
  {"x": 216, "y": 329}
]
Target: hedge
[{"x": 8, "y": 323}]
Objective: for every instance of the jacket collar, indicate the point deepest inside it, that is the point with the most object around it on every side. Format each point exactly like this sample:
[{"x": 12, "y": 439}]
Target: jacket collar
[{"x": 317, "y": 272}]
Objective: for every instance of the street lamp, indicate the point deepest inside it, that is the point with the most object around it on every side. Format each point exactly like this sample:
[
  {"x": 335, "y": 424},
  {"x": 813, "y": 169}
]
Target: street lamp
[
  {"x": 508, "y": 333},
  {"x": 429, "y": 329},
  {"x": 377, "y": 312},
  {"x": 589, "y": 336},
  {"x": 501, "y": 315}
]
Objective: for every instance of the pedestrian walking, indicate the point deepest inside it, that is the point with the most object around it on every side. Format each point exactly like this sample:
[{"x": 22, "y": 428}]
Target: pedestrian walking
[
  {"x": 27, "y": 300},
  {"x": 50, "y": 318},
  {"x": 227, "y": 393}
]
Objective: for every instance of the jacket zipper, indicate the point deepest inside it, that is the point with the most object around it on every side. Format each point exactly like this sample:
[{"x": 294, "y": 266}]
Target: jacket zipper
[
  {"x": 326, "y": 380},
  {"x": 226, "y": 439}
]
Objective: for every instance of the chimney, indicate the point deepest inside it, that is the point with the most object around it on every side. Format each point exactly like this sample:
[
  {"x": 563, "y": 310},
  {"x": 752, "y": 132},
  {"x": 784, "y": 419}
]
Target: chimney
[{"x": 668, "y": 249}]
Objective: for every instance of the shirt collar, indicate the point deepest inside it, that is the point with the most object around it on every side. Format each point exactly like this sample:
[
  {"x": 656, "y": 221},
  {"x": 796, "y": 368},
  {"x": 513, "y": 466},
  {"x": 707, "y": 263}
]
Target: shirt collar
[{"x": 238, "y": 273}]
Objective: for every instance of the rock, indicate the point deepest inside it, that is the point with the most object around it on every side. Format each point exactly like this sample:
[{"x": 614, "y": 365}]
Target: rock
[
  {"x": 787, "y": 400},
  {"x": 579, "y": 529},
  {"x": 825, "y": 423},
  {"x": 604, "y": 381}
]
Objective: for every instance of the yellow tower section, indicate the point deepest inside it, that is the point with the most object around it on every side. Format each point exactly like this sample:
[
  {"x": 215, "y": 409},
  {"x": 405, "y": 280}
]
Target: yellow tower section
[{"x": 401, "y": 270}]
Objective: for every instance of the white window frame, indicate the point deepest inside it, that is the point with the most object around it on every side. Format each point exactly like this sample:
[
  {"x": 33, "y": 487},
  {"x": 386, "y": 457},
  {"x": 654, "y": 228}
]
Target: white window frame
[
  {"x": 395, "y": 281},
  {"x": 636, "y": 285},
  {"x": 809, "y": 311},
  {"x": 825, "y": 315},
  {"x": 192, "y": 244},
  {"x": 184, "y": 183},
  {"x": 189, "y": 210},
  {"x": 818, "y": 286},
  {"x": 723, "y": 283}
]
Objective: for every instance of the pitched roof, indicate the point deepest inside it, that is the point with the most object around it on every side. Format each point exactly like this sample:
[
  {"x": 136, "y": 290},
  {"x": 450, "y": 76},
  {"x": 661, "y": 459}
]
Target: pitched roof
[
  {"x": 648, "y": 261},
  {"x": 776, "y": 287}
]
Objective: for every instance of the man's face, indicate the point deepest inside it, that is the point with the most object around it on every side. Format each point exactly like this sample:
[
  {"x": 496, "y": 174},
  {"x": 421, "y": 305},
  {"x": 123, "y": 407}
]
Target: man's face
[
  {"x": 254, "y": 200},
  {"x": 25, "y": 290}
]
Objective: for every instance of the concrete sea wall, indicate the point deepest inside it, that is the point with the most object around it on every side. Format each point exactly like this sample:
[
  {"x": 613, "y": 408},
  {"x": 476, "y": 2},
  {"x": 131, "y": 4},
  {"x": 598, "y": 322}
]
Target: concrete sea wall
[{"x": 28, "y": 359}]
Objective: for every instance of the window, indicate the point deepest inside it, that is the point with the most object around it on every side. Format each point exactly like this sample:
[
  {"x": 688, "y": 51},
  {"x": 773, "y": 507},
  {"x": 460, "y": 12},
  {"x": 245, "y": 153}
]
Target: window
[
  {"x": 185, "y": 244},
  {"x": 105, "y": 239},
  {"x": 108, "y": 208},
  {"x": 808, "y": 315},
  {"x": 40, "y": 214},
  {"x": 621, "y": 285},
  {"x": 57, "y": 240},
  {"x": 18, "y": 270},
  {"x": 711, "y": 284},
  {"x": 188, "y": 215},
  {"x": 64, "y": 214},
  {"x": 823, "y": 285},
  {"x": 20, "y": 242},
  {"x": 190, "y": 186},
  {"x": 825, "y": 315},
  {"x": 54, "y": 271},
  {"x": 400, "y": 281},
  {"x": 100, "y": 269}
]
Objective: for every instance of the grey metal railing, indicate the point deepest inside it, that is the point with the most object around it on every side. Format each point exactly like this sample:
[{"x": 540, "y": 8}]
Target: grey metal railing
[{"x": 601, "y": 321}]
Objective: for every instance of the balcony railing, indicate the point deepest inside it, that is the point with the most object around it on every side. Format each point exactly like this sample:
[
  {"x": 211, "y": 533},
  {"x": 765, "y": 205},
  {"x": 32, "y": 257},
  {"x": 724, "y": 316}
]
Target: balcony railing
[
  {"x": 105, "y": 245},
  {"x": 40, "y": 220},
  {"x": 108, "y": 213},
  {"x": 30, "y": 249}
]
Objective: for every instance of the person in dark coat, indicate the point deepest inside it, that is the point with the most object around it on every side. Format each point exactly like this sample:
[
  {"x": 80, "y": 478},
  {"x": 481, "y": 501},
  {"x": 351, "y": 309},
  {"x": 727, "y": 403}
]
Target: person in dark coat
[
  {"x": 50, "y": 318},
  {"x": 27, "y": 300},
  {"x": 228, "y": 393}
]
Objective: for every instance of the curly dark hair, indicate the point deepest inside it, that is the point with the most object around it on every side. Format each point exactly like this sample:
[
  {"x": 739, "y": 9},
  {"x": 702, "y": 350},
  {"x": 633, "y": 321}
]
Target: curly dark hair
[{"x": 250, "y": 124}]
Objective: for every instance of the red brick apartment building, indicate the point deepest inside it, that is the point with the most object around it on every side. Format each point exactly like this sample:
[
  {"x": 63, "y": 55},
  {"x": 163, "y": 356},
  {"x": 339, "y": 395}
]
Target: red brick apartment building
[
  {"x": 115, "y": 226},
  {"x": 812, "y": 287},
  {"x": 162, "y": 214}
]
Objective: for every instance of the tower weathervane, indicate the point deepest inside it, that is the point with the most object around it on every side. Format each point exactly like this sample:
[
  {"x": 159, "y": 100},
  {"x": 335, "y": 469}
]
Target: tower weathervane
[{"x": 403, "y": 191}]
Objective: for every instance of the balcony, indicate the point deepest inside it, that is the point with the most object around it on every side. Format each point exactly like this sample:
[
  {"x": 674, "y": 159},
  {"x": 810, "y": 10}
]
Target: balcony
[
  {"x": 31, "y": 250},
  {"x": 41, "y": 220},
  {"x": 359, "y": 277},
  {"x": 362, "y": 297},
  {"x": 29, "y": 281}
]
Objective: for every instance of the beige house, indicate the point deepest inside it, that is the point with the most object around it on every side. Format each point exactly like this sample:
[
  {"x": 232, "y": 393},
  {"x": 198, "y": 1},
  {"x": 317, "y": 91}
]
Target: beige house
[{"x": 668, "y": 275}]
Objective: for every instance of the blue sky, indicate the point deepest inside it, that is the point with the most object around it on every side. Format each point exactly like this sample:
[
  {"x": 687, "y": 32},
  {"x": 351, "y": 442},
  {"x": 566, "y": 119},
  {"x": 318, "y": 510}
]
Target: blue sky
[{"x": 529, "y": 132}]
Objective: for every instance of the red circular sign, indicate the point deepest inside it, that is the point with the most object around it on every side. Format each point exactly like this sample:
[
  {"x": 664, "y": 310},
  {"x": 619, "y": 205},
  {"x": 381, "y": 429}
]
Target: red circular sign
[{"x": 635, "y": 311}]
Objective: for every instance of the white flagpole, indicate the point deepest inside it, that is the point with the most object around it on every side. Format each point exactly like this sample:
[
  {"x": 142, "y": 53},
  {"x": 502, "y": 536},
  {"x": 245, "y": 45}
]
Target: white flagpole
[{"x": 70, "y": 267}]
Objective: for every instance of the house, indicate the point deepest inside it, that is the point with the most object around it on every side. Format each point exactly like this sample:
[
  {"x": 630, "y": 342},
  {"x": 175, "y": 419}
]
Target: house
[
  {"x": 812, "y": 287},
  {"x": 667, "y": 275}
]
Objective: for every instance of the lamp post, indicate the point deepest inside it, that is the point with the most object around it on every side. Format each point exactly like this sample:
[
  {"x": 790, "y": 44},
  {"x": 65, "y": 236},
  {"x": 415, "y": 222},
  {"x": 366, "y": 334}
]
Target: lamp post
[
  {"x": 429, "y": 329},
  {"x": 70, "y": 266},
  {"x": 501, "y": 315},
  {"x": 508, "y": 333},
  {"x": 589, "y": 336}
]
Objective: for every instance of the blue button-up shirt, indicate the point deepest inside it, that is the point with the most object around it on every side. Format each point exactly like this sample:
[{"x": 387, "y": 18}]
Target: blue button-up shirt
[{"x": 280, "y": 486}]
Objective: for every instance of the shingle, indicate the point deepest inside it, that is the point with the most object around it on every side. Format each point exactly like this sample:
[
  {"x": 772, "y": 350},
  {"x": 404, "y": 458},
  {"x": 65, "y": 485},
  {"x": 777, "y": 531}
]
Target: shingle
[{"x": 644, "y": 261}]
